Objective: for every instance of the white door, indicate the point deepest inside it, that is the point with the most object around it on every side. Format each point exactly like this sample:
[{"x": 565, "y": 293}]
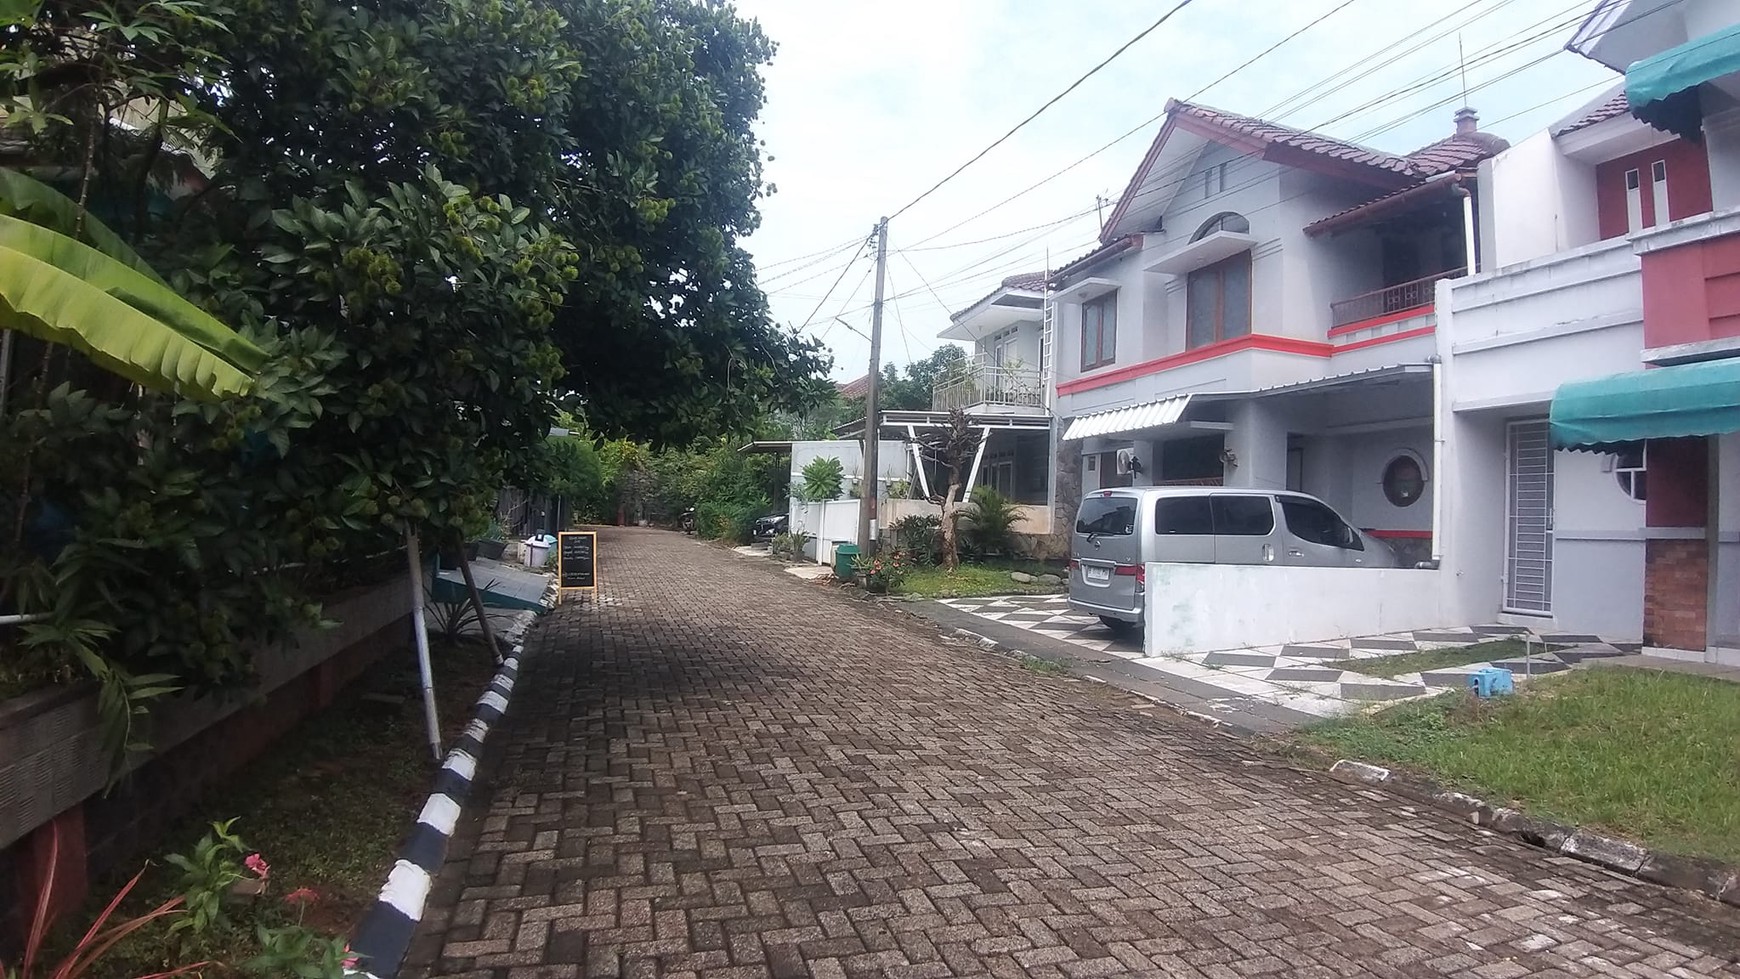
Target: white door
[{"x": 1528, "y": 564}]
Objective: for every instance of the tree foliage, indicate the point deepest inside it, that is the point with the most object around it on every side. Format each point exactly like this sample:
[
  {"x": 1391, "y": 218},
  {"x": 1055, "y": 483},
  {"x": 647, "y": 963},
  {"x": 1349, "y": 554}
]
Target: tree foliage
[{"x": 439, "y": 222}]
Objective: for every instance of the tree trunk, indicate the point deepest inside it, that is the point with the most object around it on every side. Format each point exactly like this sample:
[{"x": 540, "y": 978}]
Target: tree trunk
[{"x": 951, "y": 515}]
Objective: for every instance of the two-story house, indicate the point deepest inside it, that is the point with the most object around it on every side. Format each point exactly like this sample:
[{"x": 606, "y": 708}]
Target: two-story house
[
  {"x": 1593, "y": 394},
  {"x": 1260, "y": 313}
]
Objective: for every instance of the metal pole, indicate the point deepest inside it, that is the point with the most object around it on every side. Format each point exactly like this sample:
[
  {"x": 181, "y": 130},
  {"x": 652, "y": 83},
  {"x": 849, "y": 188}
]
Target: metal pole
[
  {"x": 477, "y": 603},
  {"x": 420, "y": 631},
  {"x": 869, "y": 489}
]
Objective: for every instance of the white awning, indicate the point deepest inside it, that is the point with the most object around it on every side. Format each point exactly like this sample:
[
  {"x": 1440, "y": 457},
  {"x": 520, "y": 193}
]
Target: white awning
[{"x": 1132, "y": 419}]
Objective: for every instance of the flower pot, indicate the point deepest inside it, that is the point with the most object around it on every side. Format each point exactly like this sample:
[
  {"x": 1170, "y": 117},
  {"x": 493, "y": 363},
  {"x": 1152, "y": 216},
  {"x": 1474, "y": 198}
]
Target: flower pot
[
  {"x": 876, "y": 587},
  {"x": 492, "y": 549}
]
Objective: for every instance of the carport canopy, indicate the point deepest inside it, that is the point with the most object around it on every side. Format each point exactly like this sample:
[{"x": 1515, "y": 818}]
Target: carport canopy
[{"x": 1664, "y": 402}]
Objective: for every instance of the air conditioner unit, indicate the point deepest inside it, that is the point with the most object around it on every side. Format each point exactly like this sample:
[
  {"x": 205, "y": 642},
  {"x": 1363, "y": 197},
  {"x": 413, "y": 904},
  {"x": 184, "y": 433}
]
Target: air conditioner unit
[{"x": 1128, "y": 463}]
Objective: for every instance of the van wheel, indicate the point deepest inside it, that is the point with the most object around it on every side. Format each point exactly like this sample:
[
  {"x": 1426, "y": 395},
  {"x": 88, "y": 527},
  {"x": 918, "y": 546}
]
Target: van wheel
[{"x": 1118, "y": 626}]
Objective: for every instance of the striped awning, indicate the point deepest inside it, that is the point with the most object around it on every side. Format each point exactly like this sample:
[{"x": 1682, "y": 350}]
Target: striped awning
[{"x": 1135, "y": 418}]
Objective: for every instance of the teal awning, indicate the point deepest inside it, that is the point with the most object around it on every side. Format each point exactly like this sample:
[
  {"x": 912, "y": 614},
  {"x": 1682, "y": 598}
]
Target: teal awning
[
  {"x": 1677, "y": 69},
  {"x": 1665, "y": 402}
]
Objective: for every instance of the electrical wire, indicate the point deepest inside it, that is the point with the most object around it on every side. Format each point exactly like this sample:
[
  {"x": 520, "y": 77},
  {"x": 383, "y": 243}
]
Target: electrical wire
[
  {"x": 1151, "y": 28},
  {"x": 836, "y": 285}
]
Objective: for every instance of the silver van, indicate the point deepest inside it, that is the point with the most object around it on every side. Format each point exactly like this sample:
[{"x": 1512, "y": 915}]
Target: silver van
[{"x": 1118, "y": 531}]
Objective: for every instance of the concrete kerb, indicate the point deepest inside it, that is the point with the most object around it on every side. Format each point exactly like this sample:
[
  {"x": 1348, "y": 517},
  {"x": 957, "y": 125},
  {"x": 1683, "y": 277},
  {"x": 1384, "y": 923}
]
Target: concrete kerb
[
  {"x": 384, "y": 936},
  {"x": 1712, "y": 878}
]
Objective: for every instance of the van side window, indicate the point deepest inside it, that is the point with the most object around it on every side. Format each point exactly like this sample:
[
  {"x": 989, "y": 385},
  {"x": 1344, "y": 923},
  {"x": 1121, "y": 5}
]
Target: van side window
[
  {"x": 1243, "y": 516},
  {"x": 1104, "y": 516},
  {"x": 1314, "y": 523},
  {"x": 1183, "y": 515}
]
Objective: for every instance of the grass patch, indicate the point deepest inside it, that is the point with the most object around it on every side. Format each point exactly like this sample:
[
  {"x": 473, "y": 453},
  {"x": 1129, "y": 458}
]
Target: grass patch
[
  {"x": 1043, "y": 666},
  {"x": 327, "y": 807},
  {"x": 1651, "y": 756},
  {"x": 1438, "y": 659},
  {"x": 973, "y": 580}
]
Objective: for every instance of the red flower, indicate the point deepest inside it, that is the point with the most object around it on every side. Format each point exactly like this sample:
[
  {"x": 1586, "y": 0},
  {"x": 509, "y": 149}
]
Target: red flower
[
  {"x": 258, "y": 865},
  {"x": 302, "y": 895}
]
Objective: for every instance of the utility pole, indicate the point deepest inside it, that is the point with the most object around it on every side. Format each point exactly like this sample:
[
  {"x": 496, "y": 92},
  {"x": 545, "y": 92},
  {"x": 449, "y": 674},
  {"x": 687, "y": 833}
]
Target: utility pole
[{"x": 869, "y": 489}]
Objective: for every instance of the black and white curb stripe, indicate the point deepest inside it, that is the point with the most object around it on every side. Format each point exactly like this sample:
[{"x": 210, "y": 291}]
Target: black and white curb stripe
[{"x": 381, "y": 941}]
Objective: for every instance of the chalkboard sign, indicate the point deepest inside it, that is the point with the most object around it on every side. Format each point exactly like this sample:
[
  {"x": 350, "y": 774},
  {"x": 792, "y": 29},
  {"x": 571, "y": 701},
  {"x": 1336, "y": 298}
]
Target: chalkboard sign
[{"x": 577, "y": 559}]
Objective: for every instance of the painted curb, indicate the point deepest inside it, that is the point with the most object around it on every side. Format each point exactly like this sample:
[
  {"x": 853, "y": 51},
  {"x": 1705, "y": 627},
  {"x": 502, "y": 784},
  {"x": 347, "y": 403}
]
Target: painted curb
[
  {"x": 381, "y": 941},
  {"x": 1712, "y": 878}
]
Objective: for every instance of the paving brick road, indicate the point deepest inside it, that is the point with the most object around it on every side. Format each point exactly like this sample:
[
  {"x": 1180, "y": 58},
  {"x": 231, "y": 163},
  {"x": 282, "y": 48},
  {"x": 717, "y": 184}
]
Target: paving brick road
[{"x": 720, "y": 771}]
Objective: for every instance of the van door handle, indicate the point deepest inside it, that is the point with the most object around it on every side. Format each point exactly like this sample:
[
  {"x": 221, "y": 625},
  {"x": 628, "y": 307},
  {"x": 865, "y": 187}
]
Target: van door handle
[{"x": 1295, "y": 552}]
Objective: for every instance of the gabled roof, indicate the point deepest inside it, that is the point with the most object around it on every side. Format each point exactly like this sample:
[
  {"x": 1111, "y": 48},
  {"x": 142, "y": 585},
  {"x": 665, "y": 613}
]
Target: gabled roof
[
  {"x": 1300, "y": 148},
  {"x": 1021, "y": 282},
  {"x": 859, "y": 388},
  {"x": 1614, "y": 106},
  {"x": 1274, "y": 133}
]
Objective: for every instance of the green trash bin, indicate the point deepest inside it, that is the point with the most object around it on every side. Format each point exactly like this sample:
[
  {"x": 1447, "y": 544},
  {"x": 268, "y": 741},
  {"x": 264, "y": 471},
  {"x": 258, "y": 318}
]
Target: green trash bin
[{"x": 845, "y": 556}]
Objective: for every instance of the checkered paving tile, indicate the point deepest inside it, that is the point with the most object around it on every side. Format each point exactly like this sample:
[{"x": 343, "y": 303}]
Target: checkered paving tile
[{"x": 1300, "y": 675}]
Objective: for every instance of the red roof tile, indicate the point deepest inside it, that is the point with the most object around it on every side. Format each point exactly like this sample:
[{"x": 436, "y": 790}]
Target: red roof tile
[
  {"x": 1450, "y": 153},
  {"x": 1274, "y": 132},
  {"x": 1455, "y": 152},
  {"x": 1616, "y": 105},
  {"x": 859, "y": 388}
]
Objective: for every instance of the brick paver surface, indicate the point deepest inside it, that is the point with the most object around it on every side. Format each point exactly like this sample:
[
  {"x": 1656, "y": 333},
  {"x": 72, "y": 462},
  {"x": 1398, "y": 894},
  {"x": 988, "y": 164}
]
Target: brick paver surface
[{"x": 720, "y": 771}]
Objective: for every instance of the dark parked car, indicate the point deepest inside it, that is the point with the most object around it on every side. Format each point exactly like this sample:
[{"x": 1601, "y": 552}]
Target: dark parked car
[{"x": 767, "y": 527}]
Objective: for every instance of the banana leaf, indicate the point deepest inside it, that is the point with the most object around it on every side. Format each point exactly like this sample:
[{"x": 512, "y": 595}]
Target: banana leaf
[
  {"x": 64, "y": 291},
  {"x": 34, "y": 201}
]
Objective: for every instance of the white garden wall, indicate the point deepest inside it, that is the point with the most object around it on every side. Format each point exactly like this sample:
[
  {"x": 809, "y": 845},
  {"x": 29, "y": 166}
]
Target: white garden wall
[{"x": 1196, "y": 608}]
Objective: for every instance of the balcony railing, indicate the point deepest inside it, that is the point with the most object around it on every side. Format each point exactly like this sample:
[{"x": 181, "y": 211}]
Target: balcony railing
[
  {"x": 985, "y": 383},
  {"x": 1417, "y": 294}
]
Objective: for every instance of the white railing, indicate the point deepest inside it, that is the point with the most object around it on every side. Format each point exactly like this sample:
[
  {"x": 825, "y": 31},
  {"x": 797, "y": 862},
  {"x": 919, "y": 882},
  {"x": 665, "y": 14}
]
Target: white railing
[{"x": 980, "y": 382}]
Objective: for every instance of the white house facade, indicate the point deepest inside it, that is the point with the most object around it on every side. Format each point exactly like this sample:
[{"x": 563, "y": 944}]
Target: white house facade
[
  {"x": 1261, "y": 313},
  {"x": 1587, "y": 487}
]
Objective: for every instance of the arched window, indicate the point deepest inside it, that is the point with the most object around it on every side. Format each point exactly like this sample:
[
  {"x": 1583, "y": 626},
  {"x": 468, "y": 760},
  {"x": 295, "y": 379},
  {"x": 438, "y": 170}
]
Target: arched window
[{"x": 1224, "y": 221}]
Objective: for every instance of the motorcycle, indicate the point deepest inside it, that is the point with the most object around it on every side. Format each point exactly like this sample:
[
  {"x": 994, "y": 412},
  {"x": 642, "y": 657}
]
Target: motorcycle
[{"x": 686, "y": 522}]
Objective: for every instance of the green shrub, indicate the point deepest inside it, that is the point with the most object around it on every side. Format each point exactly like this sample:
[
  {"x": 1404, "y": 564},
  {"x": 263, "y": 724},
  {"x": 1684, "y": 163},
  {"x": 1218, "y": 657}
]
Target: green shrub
[
  {"x": 988, "y": 524},
  {"x": 732, "y": 521},
  {"x": 824, "y": 477},
  {"x": 919, "y": 537}
]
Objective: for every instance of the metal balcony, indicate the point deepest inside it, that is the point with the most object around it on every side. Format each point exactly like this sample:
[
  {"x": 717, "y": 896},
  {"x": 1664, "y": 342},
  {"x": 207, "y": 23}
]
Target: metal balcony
[
  {"x": 982, "y": 383},
  {"x": 1401, "y": 298}
]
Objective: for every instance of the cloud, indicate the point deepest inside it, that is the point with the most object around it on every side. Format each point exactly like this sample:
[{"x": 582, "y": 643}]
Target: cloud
[{"x": 870, "y": 104}]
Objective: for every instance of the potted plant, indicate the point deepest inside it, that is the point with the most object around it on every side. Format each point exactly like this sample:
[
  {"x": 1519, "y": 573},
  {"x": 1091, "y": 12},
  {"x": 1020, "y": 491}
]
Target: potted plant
[{"x": 492, "y": 543}]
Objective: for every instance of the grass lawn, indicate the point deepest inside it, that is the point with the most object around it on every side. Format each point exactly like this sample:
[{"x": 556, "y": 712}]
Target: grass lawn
[
  {"x": 1437, "y": 659},
  {"x": 1650, "y": 756},
  {"x": 970, "y": 580},
  {"x": 327, "y": 807}
]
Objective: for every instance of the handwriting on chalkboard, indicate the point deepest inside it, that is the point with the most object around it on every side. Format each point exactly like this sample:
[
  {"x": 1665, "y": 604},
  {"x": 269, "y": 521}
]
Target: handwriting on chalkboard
[{"x": 577, "y": 559}]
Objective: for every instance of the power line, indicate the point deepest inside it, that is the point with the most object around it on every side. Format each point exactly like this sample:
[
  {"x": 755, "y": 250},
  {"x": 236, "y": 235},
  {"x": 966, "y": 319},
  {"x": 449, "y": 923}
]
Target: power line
[
  {"x": 894, "y": 300},
  {"x": 1491, "y": 52},
  {"x": 1151, "y": 28},
  {"x": 843, "y": 269}
]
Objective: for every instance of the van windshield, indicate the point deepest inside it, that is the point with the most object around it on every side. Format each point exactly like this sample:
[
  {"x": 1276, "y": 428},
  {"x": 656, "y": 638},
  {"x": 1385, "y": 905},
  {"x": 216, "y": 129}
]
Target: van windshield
[{"x": 1107, "y": 516}]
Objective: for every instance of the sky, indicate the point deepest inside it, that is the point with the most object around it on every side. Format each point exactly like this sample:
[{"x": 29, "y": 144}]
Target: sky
[{"x": 870, "y": 104}]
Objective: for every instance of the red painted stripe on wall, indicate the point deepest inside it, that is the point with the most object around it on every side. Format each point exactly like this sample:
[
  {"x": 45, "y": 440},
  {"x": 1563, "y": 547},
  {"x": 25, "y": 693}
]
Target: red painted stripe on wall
[{"x": 1253, "y": 341}]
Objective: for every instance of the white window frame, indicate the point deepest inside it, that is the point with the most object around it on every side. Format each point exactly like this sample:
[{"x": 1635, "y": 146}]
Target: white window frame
[
  {"x": 1628, "y": 476},
  {"x": 1633, "y": 201},
  {"x": 1658, "y": 189}
]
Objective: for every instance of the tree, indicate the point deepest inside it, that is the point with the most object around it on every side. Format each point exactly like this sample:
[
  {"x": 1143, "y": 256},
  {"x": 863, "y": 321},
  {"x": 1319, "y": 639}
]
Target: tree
[
  {"x": 912, "y": 392},
  {"x": 953, "y": 446}
]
